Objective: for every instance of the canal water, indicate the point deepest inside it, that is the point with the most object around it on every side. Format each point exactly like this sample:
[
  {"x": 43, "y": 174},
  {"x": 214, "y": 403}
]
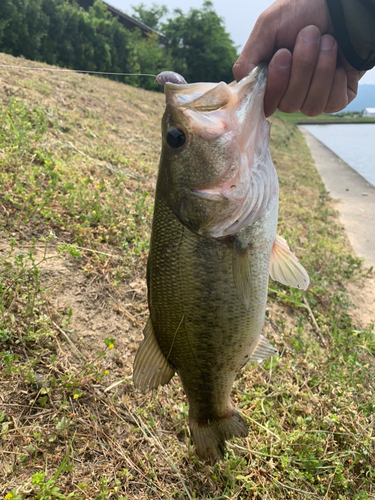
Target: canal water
[{"x": 353, "y": 143}]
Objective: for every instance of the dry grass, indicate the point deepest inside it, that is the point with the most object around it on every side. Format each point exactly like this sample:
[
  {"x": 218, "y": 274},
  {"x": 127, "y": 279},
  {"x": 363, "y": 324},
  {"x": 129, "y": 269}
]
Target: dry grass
[{"x": 78, "y": 162}]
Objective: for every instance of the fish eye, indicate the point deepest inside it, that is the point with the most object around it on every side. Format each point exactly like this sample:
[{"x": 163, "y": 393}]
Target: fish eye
[{"x": 176, "y": 138}]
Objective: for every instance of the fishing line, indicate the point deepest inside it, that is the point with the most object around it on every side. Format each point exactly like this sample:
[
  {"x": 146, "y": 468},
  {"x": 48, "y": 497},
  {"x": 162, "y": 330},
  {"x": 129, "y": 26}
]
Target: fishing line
[{"x": 64, "y": 70}]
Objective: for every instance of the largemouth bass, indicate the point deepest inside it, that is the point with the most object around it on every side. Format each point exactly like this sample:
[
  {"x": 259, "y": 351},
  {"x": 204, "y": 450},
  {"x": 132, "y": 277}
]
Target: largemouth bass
[{"x": 213, "y": 246}]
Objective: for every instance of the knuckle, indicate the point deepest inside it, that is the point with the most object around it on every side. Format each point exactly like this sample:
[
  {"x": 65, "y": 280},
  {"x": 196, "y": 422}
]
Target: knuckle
[
  {"x": 288, "y": 107},
  {"x": 333, "y": 108},
  {"x": 269, "y": 109},
  {"x": 264, "y": 18},
  {"x": 312, "y": 109},
  {"x": 305, "y": 63},
  {"x": 334, "y": 105},
  {"x": 269, "y": 19},
  {"x": 336, "y": 102}
]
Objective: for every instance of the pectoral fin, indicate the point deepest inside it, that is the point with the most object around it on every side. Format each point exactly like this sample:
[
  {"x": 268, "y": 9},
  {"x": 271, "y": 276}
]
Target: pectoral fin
[
  {"x": 284, "y": 266},
  {"x": 242, "y": 272},
  {"x": 263, "y": 349},
  {"x": 151, "y": 367}
]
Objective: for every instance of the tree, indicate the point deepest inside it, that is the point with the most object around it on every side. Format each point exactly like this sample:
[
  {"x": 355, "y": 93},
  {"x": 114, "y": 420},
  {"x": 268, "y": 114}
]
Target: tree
[
  {"x": 60, "y": 32},
  {"x": 199, "y": 45},
  {"x": 150, "y": 58},
  {"x": 150, "y": 17},
  {"x": 23, "y": 27}
]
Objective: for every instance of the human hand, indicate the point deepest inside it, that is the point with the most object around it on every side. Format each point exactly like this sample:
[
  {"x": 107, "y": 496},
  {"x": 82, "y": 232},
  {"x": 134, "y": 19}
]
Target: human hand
[{"x": 315, "y": 77}]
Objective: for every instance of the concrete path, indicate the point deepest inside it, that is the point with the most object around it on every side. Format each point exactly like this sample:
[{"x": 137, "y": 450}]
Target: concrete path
[{"x": 355, "y": 197}]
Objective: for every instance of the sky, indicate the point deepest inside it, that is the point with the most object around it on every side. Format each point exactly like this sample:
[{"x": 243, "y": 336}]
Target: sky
[{"x": 239, "y": 17}]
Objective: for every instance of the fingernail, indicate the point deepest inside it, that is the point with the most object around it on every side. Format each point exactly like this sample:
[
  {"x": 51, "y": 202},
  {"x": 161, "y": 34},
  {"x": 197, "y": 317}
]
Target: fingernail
[
  {"x": 283, "y": 59},
  {"x": 311, "y": 34},
  {"x": 327, "y": 42}
]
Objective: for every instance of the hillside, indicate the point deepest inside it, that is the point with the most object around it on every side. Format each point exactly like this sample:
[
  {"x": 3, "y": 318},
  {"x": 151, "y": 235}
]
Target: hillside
[{"x": 78, "y": 164}]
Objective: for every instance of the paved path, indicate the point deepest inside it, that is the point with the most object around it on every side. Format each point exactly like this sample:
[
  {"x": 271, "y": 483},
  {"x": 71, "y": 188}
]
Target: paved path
[{"x": 355, "y": 197}]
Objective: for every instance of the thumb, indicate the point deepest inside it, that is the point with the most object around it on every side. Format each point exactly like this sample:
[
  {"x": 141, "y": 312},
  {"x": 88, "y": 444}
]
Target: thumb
[{"x": 259, "y": 47}]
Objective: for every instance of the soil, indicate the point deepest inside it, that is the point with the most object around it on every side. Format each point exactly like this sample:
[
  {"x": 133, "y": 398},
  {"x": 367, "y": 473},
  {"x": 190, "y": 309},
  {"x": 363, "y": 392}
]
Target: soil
[
  {"x": 100, "y": 311},
  {"x": 362, "y": 295}
]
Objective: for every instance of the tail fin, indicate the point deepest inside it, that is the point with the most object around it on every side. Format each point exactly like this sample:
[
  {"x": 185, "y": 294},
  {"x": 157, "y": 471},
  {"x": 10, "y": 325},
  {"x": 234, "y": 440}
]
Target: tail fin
[{"x": 209, "y": 437}]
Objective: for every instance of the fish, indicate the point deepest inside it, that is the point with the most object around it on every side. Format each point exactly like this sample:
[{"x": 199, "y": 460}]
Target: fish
[{"x": 213, "y": 247}]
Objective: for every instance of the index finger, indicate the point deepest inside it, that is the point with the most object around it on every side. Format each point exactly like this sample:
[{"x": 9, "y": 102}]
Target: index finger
[{"x": 259, "y": 47}]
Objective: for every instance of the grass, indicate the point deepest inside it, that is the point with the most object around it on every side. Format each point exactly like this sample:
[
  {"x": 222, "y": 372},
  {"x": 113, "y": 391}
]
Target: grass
[
  {"x": 78, "y": 166},
  {"x": 335, "y": 118}
]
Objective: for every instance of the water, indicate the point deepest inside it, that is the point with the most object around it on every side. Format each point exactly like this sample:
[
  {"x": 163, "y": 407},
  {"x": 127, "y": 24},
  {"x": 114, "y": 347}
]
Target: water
[{"x": 355, "y": 144}]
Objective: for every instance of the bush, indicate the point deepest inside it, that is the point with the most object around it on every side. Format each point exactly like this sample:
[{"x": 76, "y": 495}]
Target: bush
[{"x": 59, "y": 32}]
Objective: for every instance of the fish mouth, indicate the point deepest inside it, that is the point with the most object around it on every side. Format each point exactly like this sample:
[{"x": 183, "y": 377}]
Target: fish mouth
[
  {"x": 212, "y": 109},
  {"x": 206, "y": 96}
]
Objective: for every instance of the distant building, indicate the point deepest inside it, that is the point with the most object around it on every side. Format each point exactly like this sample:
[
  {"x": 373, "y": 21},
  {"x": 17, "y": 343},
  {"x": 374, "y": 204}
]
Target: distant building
[
  {"x": 369, "y": 112},
  {"x": 127, "y": 21}
]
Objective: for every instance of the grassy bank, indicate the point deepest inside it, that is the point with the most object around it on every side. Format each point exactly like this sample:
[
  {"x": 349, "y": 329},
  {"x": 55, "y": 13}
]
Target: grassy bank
[
  {"x": 323, "y": 119},
  {"x": 78, "y": 162}
]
